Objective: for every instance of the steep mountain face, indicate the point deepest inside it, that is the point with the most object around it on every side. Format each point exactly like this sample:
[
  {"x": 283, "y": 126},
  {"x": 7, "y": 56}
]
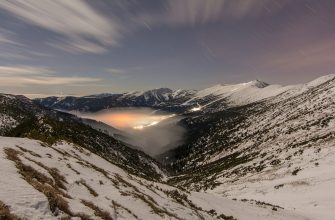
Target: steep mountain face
[
  {"x": 162, "y": 97},
  {"x": 20, "y": 117},
  {"x": 277, "y": 149}
]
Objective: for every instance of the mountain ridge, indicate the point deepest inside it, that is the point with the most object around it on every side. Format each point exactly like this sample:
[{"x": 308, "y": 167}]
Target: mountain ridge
[
  {"x": 171, "y": 100},
  {"x": 246, "y": 146}
]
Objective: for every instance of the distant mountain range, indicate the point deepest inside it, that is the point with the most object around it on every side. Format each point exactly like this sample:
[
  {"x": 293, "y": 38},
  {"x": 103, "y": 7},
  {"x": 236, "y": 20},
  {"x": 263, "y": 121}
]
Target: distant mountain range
[{"x": 164, "y": 98}]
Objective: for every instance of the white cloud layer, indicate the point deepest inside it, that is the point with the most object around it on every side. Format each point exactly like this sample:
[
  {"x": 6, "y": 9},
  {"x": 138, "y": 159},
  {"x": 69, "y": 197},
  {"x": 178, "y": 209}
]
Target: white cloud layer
[
  {"x": 23, "y": 70},
  {"x": 84, "y": 28},
  {"x": 31, "y": 75}
]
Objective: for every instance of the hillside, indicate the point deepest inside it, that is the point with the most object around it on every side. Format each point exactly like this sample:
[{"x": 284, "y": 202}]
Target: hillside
[
  {"x": 252, "y": 151},
  {"x": 20, "y": 117},
  {"x": 64, "y": 180},
  {"x": 279, "y": 149}
]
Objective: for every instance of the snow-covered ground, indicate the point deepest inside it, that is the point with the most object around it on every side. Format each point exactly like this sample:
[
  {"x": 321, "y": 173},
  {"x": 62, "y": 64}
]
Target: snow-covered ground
[
  {"x": 280, "y": 151},
  {"x": 245, "y": 93},
  {"x": 78, "y": 175},
  {"x": 290, "y": 173},
  {"x": 310, "y": 191}
]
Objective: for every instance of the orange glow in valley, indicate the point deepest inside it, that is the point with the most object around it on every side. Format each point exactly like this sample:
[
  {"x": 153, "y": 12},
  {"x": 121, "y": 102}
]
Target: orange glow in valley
[
  {"x": 124, "y": 120},
  {"x": 130, "y": 119}
]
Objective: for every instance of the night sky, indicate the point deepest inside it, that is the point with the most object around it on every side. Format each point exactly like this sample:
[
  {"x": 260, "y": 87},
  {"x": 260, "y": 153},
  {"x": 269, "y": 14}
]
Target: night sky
[{"x": 88, "y": 47}]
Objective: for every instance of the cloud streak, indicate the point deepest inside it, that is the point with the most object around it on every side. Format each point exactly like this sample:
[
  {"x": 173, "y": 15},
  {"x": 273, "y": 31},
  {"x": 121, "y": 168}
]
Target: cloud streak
[
  {"x": 81, "y": 28},
  {"x": 6, "y": 38},
  {"x": 23, "y": 70},
  {"x": 192, "y": 12},
  {"x": 32, "y": 75},
  {"x": 84, "y": 29}
]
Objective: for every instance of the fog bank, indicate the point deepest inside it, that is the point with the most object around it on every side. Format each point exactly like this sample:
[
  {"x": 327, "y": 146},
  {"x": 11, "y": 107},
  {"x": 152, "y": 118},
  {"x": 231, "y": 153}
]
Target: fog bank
[{"x": 154, "y": 132}]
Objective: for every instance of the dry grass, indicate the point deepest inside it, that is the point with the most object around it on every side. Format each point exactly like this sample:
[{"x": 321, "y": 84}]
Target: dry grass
[
  {"x": 89, "y": 188},
  {"x": 59, "y": 179},
  {"x": 27, "y": 172},
  {"x": 137, "y": 194},
  {"x": 97, "y": 211},
  {"x": 40, "y": 182},
  {"x": 100, "y": 170},
  {"x": 154, "y": 206},
  {"x": 29, "y": 151},
  {"x": 71, "y": 168},
  {"x": 82, "y": 163},
  {"x": 64, "y": 153},
  {"x": 56, "y": 201},
  {"x": 54, "y": 172},
  {"x": 117, "y": 206},
  {"x": 5, "y": 213},
  {"x": 45, "y": 185}
]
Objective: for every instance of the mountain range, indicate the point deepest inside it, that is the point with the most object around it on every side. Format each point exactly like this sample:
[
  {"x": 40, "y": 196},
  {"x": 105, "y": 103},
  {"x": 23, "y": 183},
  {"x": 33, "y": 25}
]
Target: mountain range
[{"x": 252, "y": 151}]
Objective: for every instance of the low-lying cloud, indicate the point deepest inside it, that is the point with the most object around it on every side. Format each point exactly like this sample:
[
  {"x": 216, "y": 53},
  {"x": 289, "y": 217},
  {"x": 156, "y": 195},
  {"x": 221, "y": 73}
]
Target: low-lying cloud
[
  {"x": 154, "y": 140},
  {"x": 158, "y": 139}
]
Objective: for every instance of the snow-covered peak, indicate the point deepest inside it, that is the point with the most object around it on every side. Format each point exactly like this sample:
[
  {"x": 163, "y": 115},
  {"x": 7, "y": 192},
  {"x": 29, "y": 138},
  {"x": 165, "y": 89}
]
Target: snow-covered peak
[
  {"x": 244, "y": 93},
  {"x": 256, "y": 83},
  {"x": 158, "y": 95},
  {"x": 221, "y": 89},
  {"x": 179, "y": 93},
  {"x": 133, "y": 93},
  {"x": 226, "y": 90}
]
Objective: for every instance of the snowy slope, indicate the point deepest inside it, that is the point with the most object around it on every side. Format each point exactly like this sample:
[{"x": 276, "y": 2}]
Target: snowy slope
[
  {"x": 245, "y": 93},
  {"x": 51, "y": 182},
  {"x": 257, "y": 151},
  {"x": 310, "y": 191},
  {"x": 280, "y": 150},
  {"x": 20, "y": 117}
]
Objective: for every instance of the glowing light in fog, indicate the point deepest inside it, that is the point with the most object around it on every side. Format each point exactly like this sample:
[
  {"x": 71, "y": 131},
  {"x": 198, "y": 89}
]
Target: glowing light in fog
[
  {"x": 195, "y": 109},
  {"x": 128, "y": 118},
  {"x": 198, "y": 108},
  {"x": 139, "y": 127},
  {"x": 158, "y": 119}
]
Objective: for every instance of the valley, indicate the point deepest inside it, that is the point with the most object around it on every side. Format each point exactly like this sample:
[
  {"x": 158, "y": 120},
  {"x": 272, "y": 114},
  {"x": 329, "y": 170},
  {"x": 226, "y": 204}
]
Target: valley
[
  {"x": 167, "y": 110},
  {"x": 271, "y": 153},
  {"x": 150, "y": 130}
]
